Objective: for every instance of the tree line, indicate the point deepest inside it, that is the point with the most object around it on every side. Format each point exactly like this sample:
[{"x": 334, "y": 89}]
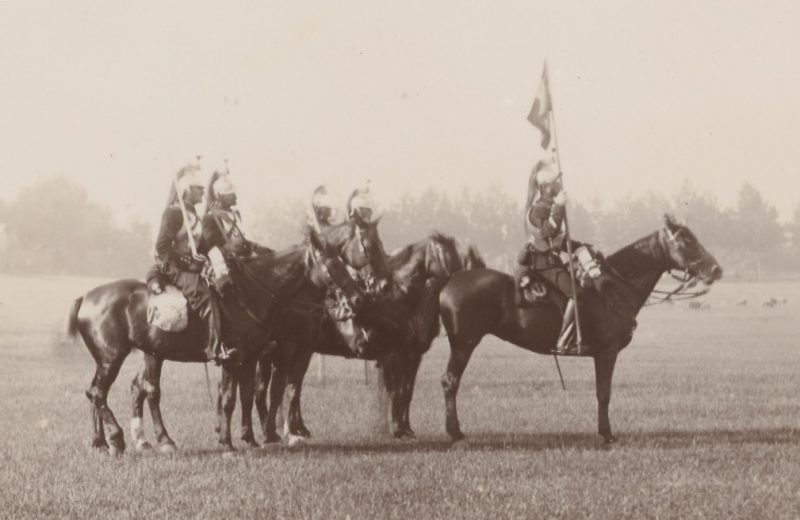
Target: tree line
[{"x": 53, "y": 227}]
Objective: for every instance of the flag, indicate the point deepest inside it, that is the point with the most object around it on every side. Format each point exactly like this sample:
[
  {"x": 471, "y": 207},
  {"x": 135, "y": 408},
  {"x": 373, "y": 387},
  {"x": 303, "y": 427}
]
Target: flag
[{"x": 540, "y": 112}]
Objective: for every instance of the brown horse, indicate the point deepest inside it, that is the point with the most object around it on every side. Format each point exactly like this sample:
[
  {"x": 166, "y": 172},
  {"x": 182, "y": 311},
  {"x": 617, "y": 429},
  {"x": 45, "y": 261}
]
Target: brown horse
[
  {"x": 420, "y": 270},
  {"x": 112, "y": 320},
  {"x": 480, "y": 302},
  {"x": 357, "y": 242}
]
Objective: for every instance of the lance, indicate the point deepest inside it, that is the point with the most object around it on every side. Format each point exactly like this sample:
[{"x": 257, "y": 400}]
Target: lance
[{"x": 572, "y": 281}]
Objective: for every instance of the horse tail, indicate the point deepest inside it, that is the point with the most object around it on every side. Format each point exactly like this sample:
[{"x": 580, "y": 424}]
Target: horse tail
[{"x": 71, "y": 325}]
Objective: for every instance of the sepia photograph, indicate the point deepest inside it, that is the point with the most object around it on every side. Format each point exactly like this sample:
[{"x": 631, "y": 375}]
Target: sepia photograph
[{"x": 400, "y": 260}]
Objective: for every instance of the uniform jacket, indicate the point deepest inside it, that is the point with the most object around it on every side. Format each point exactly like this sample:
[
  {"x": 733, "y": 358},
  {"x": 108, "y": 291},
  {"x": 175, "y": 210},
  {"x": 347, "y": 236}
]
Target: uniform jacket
[{"x": 172, "y": 244}]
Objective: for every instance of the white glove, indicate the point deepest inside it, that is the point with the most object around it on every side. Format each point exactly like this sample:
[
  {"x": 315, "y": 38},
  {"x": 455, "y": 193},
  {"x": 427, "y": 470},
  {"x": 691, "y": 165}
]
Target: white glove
[{"x": 561, "y": 198}]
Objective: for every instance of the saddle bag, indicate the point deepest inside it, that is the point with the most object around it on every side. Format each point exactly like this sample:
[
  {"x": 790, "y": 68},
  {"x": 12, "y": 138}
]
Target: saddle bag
[{"x": 168, "y": 311}]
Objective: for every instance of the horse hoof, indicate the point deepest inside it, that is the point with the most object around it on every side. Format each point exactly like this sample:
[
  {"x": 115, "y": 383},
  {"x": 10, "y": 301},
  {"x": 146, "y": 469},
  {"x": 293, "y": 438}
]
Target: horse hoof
[
  {"x": 609, "y": 441},
  {"x": 115, "y": 451},
  {"x": 143, "y": 446},
  {"x": 459, "y": 445},
  {"x": 168, "y": 448},
  {"x": 272, "y": 439},
  {"x": 252, "y": 444},
  {"x": 456, "y": 435},
  {"x": 295, "y": 440}
]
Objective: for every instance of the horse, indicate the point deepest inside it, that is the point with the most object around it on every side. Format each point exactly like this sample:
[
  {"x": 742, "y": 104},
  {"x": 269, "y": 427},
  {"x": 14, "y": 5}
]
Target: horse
[
  {"x": 358, "y": 242},
  {"x": 420, "y": 270},
  {"x": 480, "y": 302},
  {"x": 112, "y": 320}
]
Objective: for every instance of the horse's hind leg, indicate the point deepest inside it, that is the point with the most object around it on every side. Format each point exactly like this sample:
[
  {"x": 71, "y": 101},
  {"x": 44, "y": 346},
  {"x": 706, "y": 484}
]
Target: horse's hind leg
[
  {"x": 104, "y": 377},
  {"x": 151, "y": 384},
  {"x": 99, "y": 435},
  {"x": 460, "y": 351}
]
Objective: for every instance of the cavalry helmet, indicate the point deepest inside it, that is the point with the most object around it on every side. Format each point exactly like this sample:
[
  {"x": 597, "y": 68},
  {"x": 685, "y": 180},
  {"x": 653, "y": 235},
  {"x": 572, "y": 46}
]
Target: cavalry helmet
[{"x": 222, "y": 185}]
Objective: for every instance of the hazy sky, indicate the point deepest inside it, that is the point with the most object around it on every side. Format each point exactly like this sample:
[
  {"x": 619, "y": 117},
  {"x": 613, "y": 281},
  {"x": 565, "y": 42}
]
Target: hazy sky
[{"x": 119, "y": 95}]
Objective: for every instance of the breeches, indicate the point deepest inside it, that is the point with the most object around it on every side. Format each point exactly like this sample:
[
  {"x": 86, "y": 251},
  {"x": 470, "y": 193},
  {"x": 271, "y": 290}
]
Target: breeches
[{"x": 193, "y": 287}]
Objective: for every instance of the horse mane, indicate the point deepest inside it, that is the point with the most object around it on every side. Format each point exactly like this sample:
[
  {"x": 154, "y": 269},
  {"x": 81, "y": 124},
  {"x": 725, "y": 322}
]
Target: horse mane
[
  {"x": 408, "y": 262},
  {"x": 627, "y": 258}
]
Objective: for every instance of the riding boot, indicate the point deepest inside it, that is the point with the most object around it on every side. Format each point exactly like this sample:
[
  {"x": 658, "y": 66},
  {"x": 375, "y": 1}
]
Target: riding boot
[
  {"x": 566, "y": 337},
  {"x": 215, "y": 350}
]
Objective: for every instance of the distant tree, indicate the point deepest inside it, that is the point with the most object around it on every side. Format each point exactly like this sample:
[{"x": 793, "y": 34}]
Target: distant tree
[
  {"x": 757, "y": 227},
  {"x": 60, "y": 230},
  {"x": 631, "y": 218},
  {"x": 702, "y": 213},
  {"x": 277, "y": 225}
]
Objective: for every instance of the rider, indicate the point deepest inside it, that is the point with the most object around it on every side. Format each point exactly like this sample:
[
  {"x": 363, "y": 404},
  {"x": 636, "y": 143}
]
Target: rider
[
  {"x": 545, "y": 251},
  {"x": 177, "y": 260}
]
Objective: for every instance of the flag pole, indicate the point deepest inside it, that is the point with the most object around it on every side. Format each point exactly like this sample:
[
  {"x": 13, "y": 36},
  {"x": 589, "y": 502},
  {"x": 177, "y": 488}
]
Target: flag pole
[{"x": 572, "y": 281}]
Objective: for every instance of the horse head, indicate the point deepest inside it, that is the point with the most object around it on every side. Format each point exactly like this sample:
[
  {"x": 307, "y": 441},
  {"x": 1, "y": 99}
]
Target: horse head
[
  {"x": 327, "y": 270},
  {"x": 362, "y": 250},
  {"x": 685, "y": 252}
]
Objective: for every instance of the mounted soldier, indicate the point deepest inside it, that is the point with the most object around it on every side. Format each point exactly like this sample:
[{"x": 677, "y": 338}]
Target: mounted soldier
[
  {"x": 223, "y": 234},
  {"x": 178, "y": 259},
  {"x": 544, "y": 256}
]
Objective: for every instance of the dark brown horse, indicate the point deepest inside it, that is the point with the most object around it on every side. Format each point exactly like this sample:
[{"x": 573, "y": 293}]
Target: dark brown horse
[
  {"x": 480, "y": 302},
  {"x": 359, "y": 244},
  {"x": 419, "y": 271},
  {"x": 112, "y": 320}
]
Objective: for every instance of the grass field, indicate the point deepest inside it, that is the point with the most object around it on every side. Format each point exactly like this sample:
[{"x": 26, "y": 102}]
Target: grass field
[{"x": 705, "y": 404}]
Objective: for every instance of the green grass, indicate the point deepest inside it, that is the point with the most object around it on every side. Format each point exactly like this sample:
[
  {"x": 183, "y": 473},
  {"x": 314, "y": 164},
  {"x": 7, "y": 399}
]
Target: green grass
[{"x": 705, "y": 404}]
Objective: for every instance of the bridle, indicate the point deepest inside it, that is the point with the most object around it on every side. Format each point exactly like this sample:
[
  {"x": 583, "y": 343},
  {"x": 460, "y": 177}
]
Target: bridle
[
  {"x": 365, "y": 275},
  {"x": 686, "y": 280}
]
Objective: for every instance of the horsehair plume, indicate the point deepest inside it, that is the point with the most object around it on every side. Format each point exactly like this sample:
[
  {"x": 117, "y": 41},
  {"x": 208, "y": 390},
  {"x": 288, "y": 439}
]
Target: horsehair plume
[
  {"x": 211, "y": 195},
  {"x": 172, "y": 198}
]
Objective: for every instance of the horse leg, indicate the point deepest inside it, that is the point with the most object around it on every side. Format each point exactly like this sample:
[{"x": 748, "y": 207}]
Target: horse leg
[
  {"x": 104, "y": 377},
  {"x": 263, "y": 372},
  {"x": 460, "y": 352},
  {"x": 246, "y": 395},
  {"x": 409, "y": 379},
  {"x": 151, "y": 384},
  {"x": 604, "y": 370},
  {"x": 138, "y": 395},
  {"x": 277, "y": 385},
  {"x": 228, "y": 400},
  {"x": 99, "y": 436},
  {"x": 294, "y": 417}
]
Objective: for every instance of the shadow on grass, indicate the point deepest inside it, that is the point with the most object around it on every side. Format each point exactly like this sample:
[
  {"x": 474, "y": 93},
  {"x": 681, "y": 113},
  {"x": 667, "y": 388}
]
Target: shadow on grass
[{"x": 488, "y": 441}]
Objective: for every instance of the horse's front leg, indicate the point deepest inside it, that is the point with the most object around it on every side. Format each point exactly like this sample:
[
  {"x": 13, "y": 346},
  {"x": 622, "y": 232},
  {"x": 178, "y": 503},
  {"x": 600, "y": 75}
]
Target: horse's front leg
[
  {"x": 294, "y": 418},
  {"x": 227, "y": 398},
  {"x": 277, "y": 385},
  {"x": 604, "y": 362},
  {"x": 246, "y": 394},
  {"x": 262, "y": 378}
]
